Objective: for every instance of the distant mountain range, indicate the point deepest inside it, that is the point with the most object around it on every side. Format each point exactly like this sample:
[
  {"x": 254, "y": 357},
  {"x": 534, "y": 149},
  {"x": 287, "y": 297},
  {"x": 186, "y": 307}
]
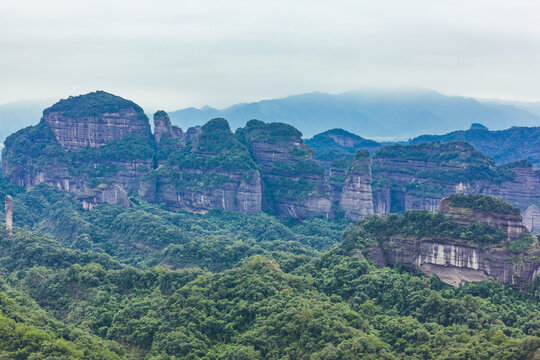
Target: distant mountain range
[
  {"x": 19, "y": 114},
  {"x": 503, "y": 146},
  {"x": 378, "y": 114},
  {"x": 383, "y": 115}
]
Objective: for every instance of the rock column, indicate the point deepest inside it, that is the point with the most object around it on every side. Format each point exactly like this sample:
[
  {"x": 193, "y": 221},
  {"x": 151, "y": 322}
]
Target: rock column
[{"x": 9, "y": 215}]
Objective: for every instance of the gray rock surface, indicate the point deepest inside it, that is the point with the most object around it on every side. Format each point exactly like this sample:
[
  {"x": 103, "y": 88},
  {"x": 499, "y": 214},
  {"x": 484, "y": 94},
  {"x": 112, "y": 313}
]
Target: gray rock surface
[{"x": 356, "y": 198}]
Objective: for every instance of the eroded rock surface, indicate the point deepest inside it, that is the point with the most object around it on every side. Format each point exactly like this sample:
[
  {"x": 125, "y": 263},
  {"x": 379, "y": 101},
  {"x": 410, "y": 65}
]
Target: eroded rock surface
[
  {"x": 294, "y": 182},
  {"x": 356, "y": 197},
  {"x": 456, "y": 263},
  {"x": 95, "y": 119}
]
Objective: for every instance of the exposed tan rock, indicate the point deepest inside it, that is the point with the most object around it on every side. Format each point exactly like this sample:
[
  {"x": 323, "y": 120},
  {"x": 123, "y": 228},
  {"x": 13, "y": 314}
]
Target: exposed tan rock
[
  {"x": 511, "y": 224},
  {"x": 356, "y": 197},
  {"x": 9, "y": 214},
  {"x": 163, "y": 127},
  {"x": 531, "y": 219},
  {"x": 77, "y": 128},
  {"x": 455, "y": 263}
]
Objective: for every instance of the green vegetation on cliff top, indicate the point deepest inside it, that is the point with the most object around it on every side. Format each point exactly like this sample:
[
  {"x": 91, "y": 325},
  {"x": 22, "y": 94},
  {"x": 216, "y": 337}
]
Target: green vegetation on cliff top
[
  {"x": 275, "y": 132},
  {"x": 483, "y": 203},
  {"x": 324, "y": 143},
  {"x": 94, "y": 104},
  {"x": 422, "y": 224},
  {"x": 503, "y": 146}
]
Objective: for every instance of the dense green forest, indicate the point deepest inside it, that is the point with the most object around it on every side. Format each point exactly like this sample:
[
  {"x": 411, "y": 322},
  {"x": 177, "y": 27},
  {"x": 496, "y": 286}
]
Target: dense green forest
[{"x": 147, "y": 283}]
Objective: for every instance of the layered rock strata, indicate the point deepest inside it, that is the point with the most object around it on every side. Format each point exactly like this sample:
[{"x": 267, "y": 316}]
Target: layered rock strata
[
  {"x": 511, "y": 224},
  {"x": 294, "y": 183},
  {"x": 417, "y": 177},
  {"x": 164, "y": 128},
  {"x": 356, "y": 198},
  {"x": 456, "y": 263},
  {"x": 94, "y": 120},
  {"x": 97, "y": 146},
  {"x": 214, "y": 172}
]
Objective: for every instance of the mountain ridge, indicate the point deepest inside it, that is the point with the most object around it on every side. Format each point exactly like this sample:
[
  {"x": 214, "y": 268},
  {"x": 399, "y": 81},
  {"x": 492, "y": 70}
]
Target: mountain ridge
[{"x": 378, "y": 114}]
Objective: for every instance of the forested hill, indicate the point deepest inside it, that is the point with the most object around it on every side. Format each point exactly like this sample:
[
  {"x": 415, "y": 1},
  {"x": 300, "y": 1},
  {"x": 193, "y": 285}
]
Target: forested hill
[
  {"x": 214, "y": 244},
  {"x": 503, "y": 146},
  {"x": 147, "y": 283}
]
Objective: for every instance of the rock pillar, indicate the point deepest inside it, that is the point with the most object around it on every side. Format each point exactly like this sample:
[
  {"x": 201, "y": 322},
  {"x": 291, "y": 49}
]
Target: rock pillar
[{"x": 9, "y": 215}]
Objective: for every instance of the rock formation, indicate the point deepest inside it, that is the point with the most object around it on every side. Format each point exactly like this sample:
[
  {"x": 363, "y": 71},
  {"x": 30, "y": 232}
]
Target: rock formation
[
  {"x": 531, "y": 219},
  {"x": 356, "y": 198},
  {"x": 507, "y": 220},
  {"x": 294, "y": 182},
  {"x": 99, "y": 146},
  {"x": 455, "y": 262},
  {"x": 86, "y": 145},
  {"x": 9, "y": 214},
  {"x": 462, "y": 243},
  {"x": 417, "y": 177},
  {"x": 163, "y": 127},
  {"x": 214, "y": 172},
  {"x": 95, "y": 119},
  {"x": 521, "y": 188}
]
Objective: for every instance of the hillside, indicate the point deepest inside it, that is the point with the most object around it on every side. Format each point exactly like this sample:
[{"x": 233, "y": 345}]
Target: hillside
[
  {"x": 239, "y": 286},
  {"x": 380, "y": 114},
  {"x": 214, "y": 244},
  {"x": 503, "y": 146}
]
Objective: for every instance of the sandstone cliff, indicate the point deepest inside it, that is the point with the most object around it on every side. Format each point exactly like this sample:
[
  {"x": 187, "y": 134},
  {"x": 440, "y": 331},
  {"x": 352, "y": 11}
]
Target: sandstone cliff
[
  {"x": 97, "y": 146},
  {"x": 95, "y": 119},
  {"x": 214, "y": 172},
  {"x": 418, "y": 176},
  {"x": 356, "y": 198},
  {"x": 294, "y": 183},
  {"x": 164, "y": 128},
  {"x": 466, "y": 209},
  {"x": 456, "y": 263},
  {"x": 457, "y": 251}
]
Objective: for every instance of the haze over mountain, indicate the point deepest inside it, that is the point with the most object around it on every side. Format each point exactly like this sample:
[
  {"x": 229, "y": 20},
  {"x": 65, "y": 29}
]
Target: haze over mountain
[
  {"x": 19, "y": 114},
  {"x": 374, "y": 113},
  {"x": 532, "y": 107},
  {"x": 397, "y": 114}
]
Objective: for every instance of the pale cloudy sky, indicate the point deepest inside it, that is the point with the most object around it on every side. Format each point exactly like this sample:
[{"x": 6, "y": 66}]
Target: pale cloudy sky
[{"x": 173, "y": 54}]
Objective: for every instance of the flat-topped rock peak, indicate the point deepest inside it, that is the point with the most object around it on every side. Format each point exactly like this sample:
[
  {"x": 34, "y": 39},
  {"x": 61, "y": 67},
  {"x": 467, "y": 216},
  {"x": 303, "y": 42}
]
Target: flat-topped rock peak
[
  {"x": 466, "y": 209},
  {"x": 95, "y": 119}
]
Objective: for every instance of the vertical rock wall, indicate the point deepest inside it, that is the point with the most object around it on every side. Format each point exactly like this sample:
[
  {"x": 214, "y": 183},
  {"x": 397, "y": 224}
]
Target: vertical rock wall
[{"x": 9, "y": 214}]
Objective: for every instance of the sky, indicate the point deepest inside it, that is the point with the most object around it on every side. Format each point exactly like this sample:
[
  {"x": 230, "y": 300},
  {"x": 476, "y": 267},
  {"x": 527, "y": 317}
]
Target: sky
[{"x": 175, "y": 54}]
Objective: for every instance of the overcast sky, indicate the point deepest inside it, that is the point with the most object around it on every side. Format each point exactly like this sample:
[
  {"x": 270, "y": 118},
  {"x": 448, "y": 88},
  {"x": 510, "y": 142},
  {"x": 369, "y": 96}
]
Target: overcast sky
[{"x": 175, "y": 54}]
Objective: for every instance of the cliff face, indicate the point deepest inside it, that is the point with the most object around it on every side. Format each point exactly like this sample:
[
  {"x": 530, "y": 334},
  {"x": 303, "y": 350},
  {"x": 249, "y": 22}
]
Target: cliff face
[
  {"x": 294, "y": 183},
  {"x": 531, "y": 219},
  {"x": 460, "y": 244},
  {"x": 510, "y": 222},
  {"x": 214, "y": 172},
  {"x": 94, "y": 120},
  {"x": 456, "y": 263},
  {"x": 356, "y": 198},
  {"x": 417, "y": 177},
  {"x": 521, "y": 190},
  {"x": 164, "y": 128},
  {"x": 97, "y": 146}
]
